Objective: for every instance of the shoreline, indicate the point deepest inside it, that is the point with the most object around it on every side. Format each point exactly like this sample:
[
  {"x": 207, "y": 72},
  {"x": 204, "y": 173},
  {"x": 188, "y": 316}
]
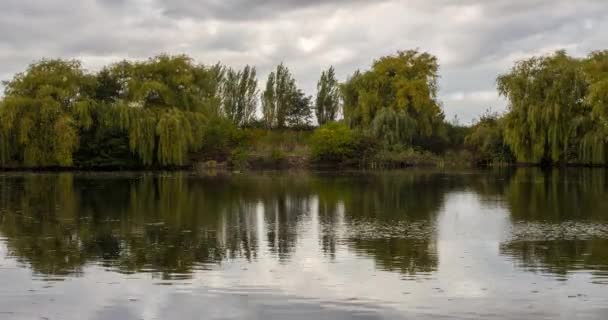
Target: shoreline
[{"x": 224, "y": 167}]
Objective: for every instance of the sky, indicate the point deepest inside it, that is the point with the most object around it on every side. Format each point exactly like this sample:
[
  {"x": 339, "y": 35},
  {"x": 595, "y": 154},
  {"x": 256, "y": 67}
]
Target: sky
[{"x": 475, "y": 40}]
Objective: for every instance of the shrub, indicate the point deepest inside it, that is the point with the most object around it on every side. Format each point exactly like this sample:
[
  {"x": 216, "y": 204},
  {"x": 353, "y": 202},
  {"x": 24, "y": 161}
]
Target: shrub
[
  {"x": 333, "y": 142},
  {"x": 220, "y": 137},
  {"x": 486, "y": 142},
  {"x": 239, "y": 158}
]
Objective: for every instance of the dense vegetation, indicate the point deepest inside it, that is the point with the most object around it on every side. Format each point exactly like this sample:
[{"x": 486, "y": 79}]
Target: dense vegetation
[
  {"x": 557, "y": 109},
  {"x": 169, "y": 111}
]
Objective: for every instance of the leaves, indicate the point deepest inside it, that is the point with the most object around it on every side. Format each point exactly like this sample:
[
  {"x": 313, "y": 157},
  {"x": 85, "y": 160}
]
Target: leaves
[
  {"x": 239, "y": 93},
  {"x": 401, "y": 86},
  {"x": 554, "y": 110},
  {"x": 160, "y": 104},
  {"x": 327, "y": 104},
  {"x": 282, "y": 102}
]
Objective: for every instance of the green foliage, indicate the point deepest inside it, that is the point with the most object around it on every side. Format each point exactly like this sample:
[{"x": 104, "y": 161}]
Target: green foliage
[
  {"x": 164, "y": 82},
  {"x": 546, "y": 97},
  {"x": 239, "y": 93},
  {"x": 557, "y": 109},
  {"x": 283, "y": 104},
  {"x": 333, "y": 142},
  {"x": 238, "y": 158},
  {"x": 300, "y": 113},
  {"x": 166, "y": 110},
  {"x": 393, "y": 128},
  {"x": 406, "y": 85},
  {"x": 161, "y": 105},
  {"x": 327, "y": 103},
  {"x": 593, "y": 147},
  {"x": 486, "y": 141},
  {"x": 43, "y": 111},
  {"x": 220, "y": 136},
  {"x": 105, "y": 148}
]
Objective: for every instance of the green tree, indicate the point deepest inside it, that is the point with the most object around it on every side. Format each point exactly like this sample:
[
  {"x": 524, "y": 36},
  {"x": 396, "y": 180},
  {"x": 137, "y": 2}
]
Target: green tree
[
  {"x": 393, "y": 128},
  {"x": 486, "y": 141},
  {"x": 162, "y": 104},
  {"x": 300, "y": 113},
  {"x": 239, "y": 93},
  {"x": 333, "y": 142},
  {"x": 43, "y": 111},
  {"x": 594, "y": 145},
  {"x": 327, "y": 104},
  {"x": 546, "y": 107},
  {"x": 406, "y": 85},
  {"x": 278, "y": 98}
]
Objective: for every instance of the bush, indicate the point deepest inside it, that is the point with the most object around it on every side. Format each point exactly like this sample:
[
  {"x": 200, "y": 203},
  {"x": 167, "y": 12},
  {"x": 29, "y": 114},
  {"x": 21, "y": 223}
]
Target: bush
[
  {"x": 334, "y": 142},
  {"x": 486, "y": 142},
  {"x": 239, "y": 159},
  {"x": 220, "y": 137},
  {"x": 277, "y": 156}
]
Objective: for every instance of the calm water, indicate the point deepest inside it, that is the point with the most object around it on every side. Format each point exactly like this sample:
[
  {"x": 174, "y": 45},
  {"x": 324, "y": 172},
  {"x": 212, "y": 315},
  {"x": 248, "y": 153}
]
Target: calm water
[{"x": 519, "y": 244}]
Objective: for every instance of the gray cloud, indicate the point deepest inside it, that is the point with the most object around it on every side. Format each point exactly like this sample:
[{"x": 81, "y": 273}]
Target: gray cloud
[
  {"x": 245, "y": 9},
  {"x": 475, "y": 40}
]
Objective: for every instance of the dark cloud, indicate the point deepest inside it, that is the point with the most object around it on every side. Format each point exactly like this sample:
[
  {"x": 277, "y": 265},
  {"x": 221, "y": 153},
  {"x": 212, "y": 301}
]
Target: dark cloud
[
  {"x": 475, "y": 40},
  {"x": 246, "y": 9}
]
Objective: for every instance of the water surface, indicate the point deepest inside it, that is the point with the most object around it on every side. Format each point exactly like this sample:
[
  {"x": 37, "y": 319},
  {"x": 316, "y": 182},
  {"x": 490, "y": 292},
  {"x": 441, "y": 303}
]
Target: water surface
[{"x": 420, "y": 244}]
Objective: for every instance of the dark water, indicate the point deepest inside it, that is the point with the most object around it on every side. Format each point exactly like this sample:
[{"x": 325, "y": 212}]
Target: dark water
[{"x": 519, "y": 244}]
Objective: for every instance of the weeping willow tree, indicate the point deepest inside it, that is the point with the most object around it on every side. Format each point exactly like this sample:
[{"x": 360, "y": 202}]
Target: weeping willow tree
[
  {"x": 485, "y": 140},
  {"x": 156, "y": 136},
  {"x": 393, "y": 128},
  {"x": 556, "y": 109},
  {"x": 160, "y": 105},
  {"x": 399, "y": 90},
  {"x": 546, "y": 106},
  {"x": 164, "y": 82},
  {"x": 42, "y": 113},
  {"x": 594, "y": 146}
]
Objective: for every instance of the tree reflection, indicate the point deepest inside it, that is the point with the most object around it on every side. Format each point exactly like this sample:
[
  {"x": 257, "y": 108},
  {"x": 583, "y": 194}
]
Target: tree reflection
[
  {"x": 173, "y": 224},
  {"x": 559, "y": 256},
  {"x": 558, "y": 195}
]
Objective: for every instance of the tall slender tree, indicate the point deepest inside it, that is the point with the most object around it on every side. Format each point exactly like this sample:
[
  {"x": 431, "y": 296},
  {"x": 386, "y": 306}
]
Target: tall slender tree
[
  {"x": 278, "y": 98},
  {"x": 269, "y": 102},
  {"x": 327, "y": 104},
  {"x": 239, "y": 94}
]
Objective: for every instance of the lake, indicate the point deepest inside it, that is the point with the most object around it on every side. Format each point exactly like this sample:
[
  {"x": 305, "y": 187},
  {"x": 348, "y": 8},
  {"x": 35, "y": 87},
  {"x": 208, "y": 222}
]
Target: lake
[{"x": 417, "y": 244}]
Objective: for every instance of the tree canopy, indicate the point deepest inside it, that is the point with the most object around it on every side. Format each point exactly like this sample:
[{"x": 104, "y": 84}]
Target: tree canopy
[
  {"x": 165, "y": 110},
  {"x": 239, "y": 94},
  {"x": 398, "y": 91},
  {"x": 282, "y": 102},
  {"x": 42, "y": 112},
  {"x": 556, "y": 107},
  {"x": 327, "y": 104}
]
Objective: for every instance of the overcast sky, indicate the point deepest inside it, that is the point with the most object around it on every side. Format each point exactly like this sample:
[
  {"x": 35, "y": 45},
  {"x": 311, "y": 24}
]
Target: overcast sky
[{"x": 474, "y": 39}]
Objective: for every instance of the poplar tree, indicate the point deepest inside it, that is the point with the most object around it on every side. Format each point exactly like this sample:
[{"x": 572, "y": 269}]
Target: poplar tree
[
  {"x": 239, "y": 94},
  {"x": 327, "y": 104},
  {"x": 278, "y": 98}
]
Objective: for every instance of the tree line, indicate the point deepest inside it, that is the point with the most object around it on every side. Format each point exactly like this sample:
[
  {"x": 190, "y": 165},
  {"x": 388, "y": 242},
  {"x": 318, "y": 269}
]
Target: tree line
[
  {"x": 168, "y": 109},
  {"x": 159, "y": 108},
  {"x": 557, "y": 112}
]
